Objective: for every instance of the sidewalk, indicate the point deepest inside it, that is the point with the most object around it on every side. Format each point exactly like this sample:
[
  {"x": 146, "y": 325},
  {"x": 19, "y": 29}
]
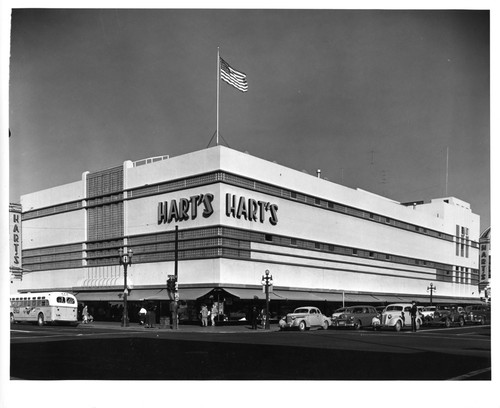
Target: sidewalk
[{"x": 185, "y": 328}]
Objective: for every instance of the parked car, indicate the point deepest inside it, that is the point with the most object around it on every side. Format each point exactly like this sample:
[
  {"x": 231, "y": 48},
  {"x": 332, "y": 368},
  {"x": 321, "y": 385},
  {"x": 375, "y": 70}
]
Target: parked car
[
  {"x": 356, "y": 317},
  {"x": 303, "y": 318},
  {"x": 396, "y": 316},
  {"x": 478, "y": 314},
  {"x": 337, "y": 313},
  {"x": 427, "y": 313},
  {"x": 448, "y": 315}
]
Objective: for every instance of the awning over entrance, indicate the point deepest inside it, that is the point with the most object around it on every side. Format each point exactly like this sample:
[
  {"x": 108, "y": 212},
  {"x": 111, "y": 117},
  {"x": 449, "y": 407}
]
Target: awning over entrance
[
  {"x": 249, "y": 293},
  {"x": 193, "y": 293},
  {"x": 329, "y": 297},
  {"x": 388, "y": 298},
  {"x": 357, "y": 297},
  {"x": 297, "y": 295},
  {"x": 105, "y": 296},
  {"x": 147, "y": 294}
]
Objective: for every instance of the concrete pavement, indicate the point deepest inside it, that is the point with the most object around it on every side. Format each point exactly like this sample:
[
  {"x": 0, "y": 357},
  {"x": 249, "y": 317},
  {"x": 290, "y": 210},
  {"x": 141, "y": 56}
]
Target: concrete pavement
[{"x": 193, "y": 328}]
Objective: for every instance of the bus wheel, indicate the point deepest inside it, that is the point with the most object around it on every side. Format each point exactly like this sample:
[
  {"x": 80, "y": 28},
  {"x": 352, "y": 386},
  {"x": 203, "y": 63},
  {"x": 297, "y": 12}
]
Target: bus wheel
[
  {"x": 40, "y": 319},
  {"x": 12, "y": 320}
]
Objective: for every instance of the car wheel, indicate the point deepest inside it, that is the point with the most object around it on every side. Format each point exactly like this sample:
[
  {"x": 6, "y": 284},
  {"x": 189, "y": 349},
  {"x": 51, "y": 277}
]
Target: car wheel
[
  {"x": 12, "y": 320},
  {"x": 447, "y": 323},
  {"x": 302, "y": 325},
  {"x": 40, "y": 321},
  {"x": 397, "y": 326},
  {"x": 357, "y": 325},
  {"x": 325, "y": 325},
  {"x": 461, "y": 322},
  {"x": 481, "y": 320}
]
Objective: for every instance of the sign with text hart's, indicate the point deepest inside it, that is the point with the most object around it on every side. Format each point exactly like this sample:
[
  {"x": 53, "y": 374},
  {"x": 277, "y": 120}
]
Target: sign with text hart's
[
  {"x": 15, "y": 237},
  {"x": 239, "y": 207}
]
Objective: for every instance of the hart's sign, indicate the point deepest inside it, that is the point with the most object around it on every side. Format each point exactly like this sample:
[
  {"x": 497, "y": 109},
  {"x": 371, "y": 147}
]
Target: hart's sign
[
  {"x": 250, "y": 209},
  {"x": 185, "y": 208},
  {"x": 15, "y": 239},
  {"x": 239, "y": 207}
]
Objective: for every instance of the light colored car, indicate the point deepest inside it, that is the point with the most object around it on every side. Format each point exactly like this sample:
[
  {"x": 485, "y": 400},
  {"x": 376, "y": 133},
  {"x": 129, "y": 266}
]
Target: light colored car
[
  {"x": 356, "y": 317},
  {"x": 427, "y": 313},
  {"x": 303, "y": 318},
  {"x": 396, "y": 316},
  {"x": 337, "y": 313}
]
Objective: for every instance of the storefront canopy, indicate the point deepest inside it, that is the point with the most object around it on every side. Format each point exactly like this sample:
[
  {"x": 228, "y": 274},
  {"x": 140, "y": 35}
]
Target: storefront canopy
[
  {"x": 297, "y": 295},
  {"x": 257, "y": 293},
  {"x": 248, "y": 293},
  {"x": 106, "y": 296},
  {"x": 358, "y": 297}
]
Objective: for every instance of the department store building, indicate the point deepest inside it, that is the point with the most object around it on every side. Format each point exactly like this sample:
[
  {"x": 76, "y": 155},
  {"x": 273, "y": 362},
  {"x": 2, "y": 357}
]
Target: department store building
[{"x": 237, "y": 216}]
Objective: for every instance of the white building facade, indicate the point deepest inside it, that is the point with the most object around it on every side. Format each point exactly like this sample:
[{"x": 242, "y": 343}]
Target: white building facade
[{"x": 238, "y": 215}]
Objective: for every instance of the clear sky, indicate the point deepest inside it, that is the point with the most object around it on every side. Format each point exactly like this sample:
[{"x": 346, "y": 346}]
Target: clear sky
[{"x": 372, "y": 98}]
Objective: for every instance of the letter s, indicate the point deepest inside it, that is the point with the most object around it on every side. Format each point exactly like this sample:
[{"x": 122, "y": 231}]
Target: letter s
[
  {"x": 273, "y": 219},
  {"x": 207, "y": 201}
]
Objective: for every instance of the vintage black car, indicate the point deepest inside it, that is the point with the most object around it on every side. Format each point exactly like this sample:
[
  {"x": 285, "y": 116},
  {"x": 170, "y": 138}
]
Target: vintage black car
[
  {"x": 356, "y": 317},
  {"x": 478, "y": 314},
  {"x": 448, "y": 315}
]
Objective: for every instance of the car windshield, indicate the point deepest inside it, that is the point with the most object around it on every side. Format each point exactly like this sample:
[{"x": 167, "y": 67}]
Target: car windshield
[
  {"x": 394, "y": 308},
  {"x": 301, "y": 310}
]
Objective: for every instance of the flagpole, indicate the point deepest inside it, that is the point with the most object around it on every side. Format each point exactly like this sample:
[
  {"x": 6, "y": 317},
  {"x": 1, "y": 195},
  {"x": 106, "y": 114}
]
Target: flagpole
[
  {"x": 446, "y": 188},
  {"x": 218, "y": 78}
]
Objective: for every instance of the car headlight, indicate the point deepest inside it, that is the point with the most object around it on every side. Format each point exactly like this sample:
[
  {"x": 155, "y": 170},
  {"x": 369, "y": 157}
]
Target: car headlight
[
  {"x": 351, "y": 318},
  {"x": 389, "y": 316}
]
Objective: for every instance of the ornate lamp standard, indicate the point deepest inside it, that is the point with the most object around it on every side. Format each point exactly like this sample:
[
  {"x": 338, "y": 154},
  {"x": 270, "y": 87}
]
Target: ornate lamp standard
[
  {"x": 431, "y": 288},
  {"x": 126, "y": 261},
  {"x": 267, "y": 280}
]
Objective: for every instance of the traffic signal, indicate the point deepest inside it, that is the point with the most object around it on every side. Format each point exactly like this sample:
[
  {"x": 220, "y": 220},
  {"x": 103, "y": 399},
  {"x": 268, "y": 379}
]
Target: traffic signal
[{"x": 172, "y": 285}]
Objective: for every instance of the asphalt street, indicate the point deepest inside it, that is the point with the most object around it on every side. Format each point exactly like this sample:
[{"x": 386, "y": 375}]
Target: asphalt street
[{"x": 105, "y": 351}]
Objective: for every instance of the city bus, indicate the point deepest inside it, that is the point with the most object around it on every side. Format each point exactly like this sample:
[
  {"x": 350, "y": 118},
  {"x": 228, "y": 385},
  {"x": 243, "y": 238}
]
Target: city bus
[{"x": 46, "y": 307}]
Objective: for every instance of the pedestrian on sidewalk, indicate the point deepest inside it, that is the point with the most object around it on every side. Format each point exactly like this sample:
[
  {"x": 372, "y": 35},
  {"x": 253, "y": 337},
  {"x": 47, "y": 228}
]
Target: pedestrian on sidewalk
[
  {"x": 142, "y": 315},
  {"x": 150, "y": 318},
  {"x": 413, "y": 313},
  {"x": 255, "y": 315},
  {"x": 213, "y": 313},
  {"x": 85, "y": 315},
  {"x": 204, "y": 315}
]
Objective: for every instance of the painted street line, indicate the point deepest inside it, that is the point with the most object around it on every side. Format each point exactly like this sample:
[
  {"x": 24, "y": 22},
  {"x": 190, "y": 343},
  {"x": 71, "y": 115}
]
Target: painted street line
[{"x": 469, "y": 375}]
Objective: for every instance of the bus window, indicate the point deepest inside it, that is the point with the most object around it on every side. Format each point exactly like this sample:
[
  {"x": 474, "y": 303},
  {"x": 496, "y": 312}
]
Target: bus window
[
  {"x": 60, "y": 299},
  {"x": 71, "y": 301}
]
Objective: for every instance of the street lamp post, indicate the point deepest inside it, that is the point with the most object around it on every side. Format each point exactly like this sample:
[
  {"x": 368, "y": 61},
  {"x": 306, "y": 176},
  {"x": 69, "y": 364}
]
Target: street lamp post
[
  {"x": 267, "y": 280},
  {"x": 431, "y": 288},
  {"x": 126, "y": 261}
]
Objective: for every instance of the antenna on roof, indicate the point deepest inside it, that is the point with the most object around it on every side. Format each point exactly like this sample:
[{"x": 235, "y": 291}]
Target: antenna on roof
[{"x": 446, "y": 187}]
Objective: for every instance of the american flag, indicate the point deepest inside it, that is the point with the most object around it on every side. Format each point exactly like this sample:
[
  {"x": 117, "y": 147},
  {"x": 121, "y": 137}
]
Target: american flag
[{"x": 232, "y": 77}]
